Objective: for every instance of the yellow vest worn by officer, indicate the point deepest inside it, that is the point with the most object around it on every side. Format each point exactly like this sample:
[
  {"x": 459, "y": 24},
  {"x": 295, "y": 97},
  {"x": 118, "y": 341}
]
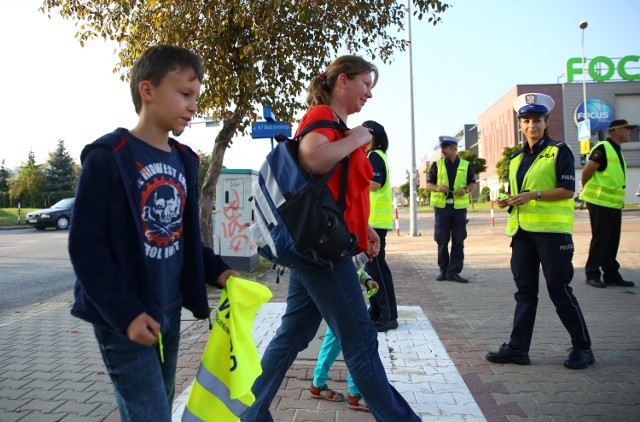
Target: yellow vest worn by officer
[
  {"x": 606, "y": 188},
  {"x": 230, "y": 364},
  {"x": 539, "y": 216},
  {"x": 381, "y": 216},
  {"x": 439, "y": 199}
]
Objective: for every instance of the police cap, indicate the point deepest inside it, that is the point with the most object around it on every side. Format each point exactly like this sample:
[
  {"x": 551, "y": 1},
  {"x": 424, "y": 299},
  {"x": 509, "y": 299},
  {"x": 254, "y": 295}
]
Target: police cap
[
  {"x": 533, "y": 103},
  {"x": 445, "y": 141}
]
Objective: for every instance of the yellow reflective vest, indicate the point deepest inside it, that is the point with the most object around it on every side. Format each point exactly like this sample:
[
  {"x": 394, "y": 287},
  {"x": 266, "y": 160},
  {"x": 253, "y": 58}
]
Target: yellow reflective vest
[
  {"x": 606, "y": 188},
  {"x": 381, "y": 216},
  {"x": 439, "y": 199},
  {"x": 230, "y": 363},
  {"x": 539, "y": 216}
]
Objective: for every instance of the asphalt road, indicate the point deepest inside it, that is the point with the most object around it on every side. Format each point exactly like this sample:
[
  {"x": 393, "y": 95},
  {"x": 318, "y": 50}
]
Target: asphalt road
[
  {"x": 425, "y": 220},
  {"x": 34, "y": 266}
]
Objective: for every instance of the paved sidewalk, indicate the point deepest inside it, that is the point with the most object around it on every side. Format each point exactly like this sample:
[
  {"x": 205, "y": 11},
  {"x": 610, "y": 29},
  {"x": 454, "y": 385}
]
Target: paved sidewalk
[{"x": 50, "y": 368}]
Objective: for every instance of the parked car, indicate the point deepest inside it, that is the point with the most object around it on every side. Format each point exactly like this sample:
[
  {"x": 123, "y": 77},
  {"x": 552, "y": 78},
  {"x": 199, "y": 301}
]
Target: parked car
[{"x": 58, "y": 216}]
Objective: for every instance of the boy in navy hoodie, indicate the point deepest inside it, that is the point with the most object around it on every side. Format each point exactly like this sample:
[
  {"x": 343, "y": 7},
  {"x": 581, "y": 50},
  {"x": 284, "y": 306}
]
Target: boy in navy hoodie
[{"x": 135, "y": 239}]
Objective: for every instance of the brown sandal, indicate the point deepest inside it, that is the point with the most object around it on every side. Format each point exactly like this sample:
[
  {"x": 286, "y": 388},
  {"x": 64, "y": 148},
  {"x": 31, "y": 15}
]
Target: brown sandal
[
  {"x": 357, "y": 403},
  {"x": 325, "y": 393}
]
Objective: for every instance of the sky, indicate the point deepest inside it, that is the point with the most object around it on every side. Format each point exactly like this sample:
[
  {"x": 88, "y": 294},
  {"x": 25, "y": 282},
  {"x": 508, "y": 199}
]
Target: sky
[{"x": 55, "y": 89}]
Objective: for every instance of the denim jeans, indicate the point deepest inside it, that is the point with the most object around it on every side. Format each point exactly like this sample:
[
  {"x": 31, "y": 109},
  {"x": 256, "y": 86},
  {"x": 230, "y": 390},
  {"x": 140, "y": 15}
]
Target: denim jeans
[
  {"x": 144, "y": 387},
  {"x": 335, "y": 295}
]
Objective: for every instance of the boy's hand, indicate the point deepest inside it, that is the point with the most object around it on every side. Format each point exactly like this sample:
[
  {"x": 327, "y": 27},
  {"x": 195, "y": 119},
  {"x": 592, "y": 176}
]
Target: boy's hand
[
  {"x": 143, "y": 330},
  {"x": 222, "y": 278},
  {"x": 372, "y": 285}
]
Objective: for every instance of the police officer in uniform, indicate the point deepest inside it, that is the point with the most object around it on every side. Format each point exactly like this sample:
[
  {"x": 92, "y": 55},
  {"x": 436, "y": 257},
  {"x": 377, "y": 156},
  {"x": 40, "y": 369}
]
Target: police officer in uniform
[
  {"x": 450, "y": 181},
  {"x": 541, "y": 184},
  {"x": 604, "y": 181}
]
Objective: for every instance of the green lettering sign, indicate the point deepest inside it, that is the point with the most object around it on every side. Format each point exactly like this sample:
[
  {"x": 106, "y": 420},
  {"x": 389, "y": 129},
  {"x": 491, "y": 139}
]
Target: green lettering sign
[{"x": 574, "y": 67}]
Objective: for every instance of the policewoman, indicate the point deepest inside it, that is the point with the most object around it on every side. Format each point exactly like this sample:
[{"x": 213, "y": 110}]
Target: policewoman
[
  {"x": 541, "y": 184},
  {"x": 450, "y": 181}
]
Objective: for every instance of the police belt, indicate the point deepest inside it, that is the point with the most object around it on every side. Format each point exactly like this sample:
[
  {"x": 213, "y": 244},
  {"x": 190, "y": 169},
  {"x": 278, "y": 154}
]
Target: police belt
[{"x": 449, "y": 201}]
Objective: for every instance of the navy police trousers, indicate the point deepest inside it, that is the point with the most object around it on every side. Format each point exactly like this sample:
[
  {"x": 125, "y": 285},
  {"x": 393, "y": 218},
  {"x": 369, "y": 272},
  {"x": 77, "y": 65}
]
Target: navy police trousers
[
  {"x": 450, "y": 225},
  {"x": 554, "y": 251}
]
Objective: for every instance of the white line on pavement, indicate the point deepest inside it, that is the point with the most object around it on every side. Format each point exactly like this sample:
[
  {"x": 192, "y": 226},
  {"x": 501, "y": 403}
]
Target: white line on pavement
[{"x": 416, "y": 361}]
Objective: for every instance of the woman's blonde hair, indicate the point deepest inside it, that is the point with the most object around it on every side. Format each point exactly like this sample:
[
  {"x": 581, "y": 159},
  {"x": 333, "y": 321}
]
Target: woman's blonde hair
[{"x": 321, "y": 86}]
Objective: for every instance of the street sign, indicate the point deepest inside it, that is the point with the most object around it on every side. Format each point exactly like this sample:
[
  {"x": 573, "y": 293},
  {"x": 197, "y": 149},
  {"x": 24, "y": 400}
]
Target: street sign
[
  {"x": 270, "y": 129},
  {"x": 584, "y": 136},
  {"x": 266, "y": 113}
]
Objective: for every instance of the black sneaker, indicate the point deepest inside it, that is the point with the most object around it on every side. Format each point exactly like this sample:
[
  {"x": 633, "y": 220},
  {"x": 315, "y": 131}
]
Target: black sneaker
[
  {"x": 622, "y": 283},
  {"x": 596, "y": 282},
  {"x": 441, "y": 277},
  {"x": 506, "y": 354},
  {"x": 579, "y": 358},
  {"x": 383, "y": 327}
]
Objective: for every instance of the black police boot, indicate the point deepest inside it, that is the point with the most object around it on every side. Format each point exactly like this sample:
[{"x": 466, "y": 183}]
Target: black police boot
[
  {"x": 506, "y": 354},
  {"x": 579, "y": 358},
  {"x": 457, "y": 278}
]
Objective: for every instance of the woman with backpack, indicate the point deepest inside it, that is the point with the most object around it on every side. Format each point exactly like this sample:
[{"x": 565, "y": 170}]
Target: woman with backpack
[{"x": 333, "y": 292}]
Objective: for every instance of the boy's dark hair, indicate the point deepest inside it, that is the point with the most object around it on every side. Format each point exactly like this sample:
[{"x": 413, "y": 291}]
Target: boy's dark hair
[{"x": 157, "y": 62}]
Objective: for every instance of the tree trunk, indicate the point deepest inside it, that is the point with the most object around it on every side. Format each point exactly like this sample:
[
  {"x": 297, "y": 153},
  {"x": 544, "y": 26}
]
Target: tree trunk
[{"x": 208, "y": 189}]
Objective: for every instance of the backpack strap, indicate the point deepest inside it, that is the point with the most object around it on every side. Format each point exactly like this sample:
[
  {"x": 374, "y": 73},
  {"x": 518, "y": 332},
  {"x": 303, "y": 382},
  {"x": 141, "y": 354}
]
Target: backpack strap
[
  {"x": 320, "y": 124},
  {"x": 332, "y": 124}
]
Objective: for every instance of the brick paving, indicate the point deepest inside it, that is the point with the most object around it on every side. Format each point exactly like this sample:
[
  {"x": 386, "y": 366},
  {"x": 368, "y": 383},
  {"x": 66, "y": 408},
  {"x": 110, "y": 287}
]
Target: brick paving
[{"x": 50, "y": 368}]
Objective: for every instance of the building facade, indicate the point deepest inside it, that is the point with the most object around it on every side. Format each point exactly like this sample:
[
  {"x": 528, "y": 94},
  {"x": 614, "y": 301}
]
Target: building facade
[{"x": 606, "y": 101}]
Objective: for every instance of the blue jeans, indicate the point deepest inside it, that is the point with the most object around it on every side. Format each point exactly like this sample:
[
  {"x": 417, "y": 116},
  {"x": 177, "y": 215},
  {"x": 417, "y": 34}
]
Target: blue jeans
[
  {"x": 335, "y": 295},
  {"x": 143, "y": 386},
  {"x": 326, "y": 357}
]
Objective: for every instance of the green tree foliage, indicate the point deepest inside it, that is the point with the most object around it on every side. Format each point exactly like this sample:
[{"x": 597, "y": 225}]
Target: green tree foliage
[
  {"x": 502, "y": 166},
  {"x": 478, "y": 164},
  {"x": 27, "y": 183},
  {"x": 254, "y": 52},
  {"x": 60, "y": 169},
  {"x": 205, "y": 162},
  {"x": 4, "y": 177},
  {"x": 405, "y": 189},
  {"x": 5, "y": 174},
  {"x": 485, "y": 194},
  {"x": 424, "y": 195}
]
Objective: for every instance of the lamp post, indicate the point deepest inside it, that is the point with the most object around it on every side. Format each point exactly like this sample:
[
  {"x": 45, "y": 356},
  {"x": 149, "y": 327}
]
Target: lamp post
[
  {"x": 585, "y": 144},
  {"x": 413, "y": 189},
  {"x": 583, "y": 26}
]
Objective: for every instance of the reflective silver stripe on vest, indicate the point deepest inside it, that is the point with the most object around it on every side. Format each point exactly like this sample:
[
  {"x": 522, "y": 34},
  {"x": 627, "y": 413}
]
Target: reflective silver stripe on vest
[
  {"x": 213, "y": 385},
  {"x": 187, "y": 416}
]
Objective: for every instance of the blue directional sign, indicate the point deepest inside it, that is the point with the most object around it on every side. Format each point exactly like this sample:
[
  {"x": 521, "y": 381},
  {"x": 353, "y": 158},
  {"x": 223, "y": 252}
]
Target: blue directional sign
[
  {"x": 266, "y": 113},
  {"x": 270, "y": 129}
]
